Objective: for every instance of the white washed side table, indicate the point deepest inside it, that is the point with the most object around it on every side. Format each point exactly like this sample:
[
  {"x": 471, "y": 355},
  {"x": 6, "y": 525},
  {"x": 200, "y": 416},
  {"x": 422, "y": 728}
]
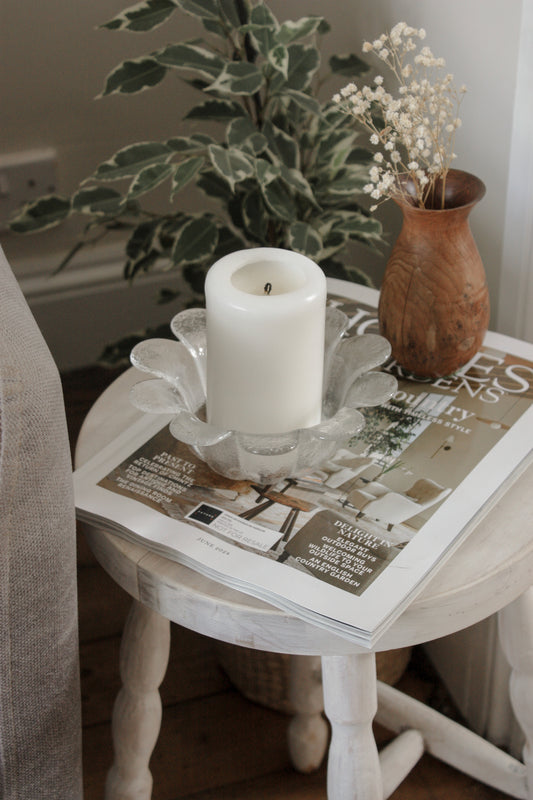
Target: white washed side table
[{"x": 491, "y": 572}]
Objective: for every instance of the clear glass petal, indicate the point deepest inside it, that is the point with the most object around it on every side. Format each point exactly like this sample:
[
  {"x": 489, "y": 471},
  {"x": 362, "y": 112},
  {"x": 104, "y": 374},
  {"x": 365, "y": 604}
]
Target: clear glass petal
[
  {"x": 371, "y": 389},
  {"x": 189, "y": 429},
  {"x": 156, "y": 396},
  {"x": 353, "y": 357},
  {"x": 363, "y": 353},
  {"x": 189, "y": 327},
  {"x": 336, "y": 326},
  {"x": 346, "y": 422},
  {"x": 172, "y": 362}
]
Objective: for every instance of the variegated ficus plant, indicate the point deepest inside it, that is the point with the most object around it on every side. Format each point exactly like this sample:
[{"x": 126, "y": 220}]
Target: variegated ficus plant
[{"x": 285, "y": 171}]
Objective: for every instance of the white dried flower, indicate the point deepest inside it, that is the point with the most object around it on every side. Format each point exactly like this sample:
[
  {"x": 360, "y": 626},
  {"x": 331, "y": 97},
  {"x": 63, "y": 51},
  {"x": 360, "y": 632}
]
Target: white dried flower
[{"x": 418, "y": 126}]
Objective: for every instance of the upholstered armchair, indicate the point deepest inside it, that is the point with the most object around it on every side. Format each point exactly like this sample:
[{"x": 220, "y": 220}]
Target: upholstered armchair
[
  {"x": 40, "y": 729},
  {"x": 378, "y": 502},
  {"x": 345, "y": 467}
]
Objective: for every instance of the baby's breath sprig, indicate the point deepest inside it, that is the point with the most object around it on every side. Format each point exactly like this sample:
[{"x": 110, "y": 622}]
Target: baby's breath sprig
[{"x": 414, "y": 132}]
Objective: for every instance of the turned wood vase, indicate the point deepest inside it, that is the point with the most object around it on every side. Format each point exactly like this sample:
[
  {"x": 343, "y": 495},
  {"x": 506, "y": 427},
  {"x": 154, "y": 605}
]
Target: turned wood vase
[{"x": 434, "y": 301}]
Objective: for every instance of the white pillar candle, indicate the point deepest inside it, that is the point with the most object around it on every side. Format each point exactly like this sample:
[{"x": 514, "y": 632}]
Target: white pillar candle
[{"x": 266, "y": 312}]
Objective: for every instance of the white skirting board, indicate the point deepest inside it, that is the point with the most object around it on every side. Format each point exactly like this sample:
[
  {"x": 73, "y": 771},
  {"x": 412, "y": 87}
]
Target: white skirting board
[
  {"x": 474, "y": 670},
  {"x": 86, "y": 307}
]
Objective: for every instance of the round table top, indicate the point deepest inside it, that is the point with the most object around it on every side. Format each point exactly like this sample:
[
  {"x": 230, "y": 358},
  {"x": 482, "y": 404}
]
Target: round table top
[{"x": 492, "y": 567}]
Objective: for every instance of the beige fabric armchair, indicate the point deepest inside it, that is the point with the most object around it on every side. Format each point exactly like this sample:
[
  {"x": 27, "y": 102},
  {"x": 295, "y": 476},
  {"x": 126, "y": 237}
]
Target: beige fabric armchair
[
  {"x": 378, "y": 502},
  {"x": 40, "y": 728}
]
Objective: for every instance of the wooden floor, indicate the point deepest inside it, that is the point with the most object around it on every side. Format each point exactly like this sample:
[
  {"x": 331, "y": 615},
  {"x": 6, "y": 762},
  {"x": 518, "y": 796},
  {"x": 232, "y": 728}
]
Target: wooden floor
[{"x": 214, "y": 744}]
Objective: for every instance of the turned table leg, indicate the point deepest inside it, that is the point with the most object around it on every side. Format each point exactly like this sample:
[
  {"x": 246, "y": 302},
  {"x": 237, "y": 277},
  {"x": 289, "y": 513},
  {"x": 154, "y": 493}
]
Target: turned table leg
[
  {"x": 137, "y": 710},
  {"x": 308, "y": 730},
  {"x": 350, "y": 702},
  {"x": 516, "y": 636}
]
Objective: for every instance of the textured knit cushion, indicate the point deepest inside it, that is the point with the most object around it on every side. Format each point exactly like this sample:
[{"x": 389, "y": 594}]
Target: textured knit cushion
[{"x": 40, "y": 731}]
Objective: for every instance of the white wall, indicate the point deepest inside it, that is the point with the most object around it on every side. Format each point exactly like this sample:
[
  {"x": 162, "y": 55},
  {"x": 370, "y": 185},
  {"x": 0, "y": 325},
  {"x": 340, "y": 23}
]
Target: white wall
[{"x": 56, "y": 60}]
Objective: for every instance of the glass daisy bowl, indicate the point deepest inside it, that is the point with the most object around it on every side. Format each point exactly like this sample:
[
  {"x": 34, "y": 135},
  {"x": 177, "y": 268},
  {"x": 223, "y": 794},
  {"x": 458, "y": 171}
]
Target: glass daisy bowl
[{"x": 178, "y": 388}]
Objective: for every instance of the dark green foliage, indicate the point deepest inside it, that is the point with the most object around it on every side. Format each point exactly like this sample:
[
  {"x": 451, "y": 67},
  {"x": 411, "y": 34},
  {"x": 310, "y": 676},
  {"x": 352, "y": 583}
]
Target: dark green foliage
[{"x": 285, "y": 171}]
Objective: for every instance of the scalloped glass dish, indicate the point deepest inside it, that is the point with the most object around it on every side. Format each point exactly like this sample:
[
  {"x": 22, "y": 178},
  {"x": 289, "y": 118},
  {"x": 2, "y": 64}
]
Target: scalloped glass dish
[{"x": 178, "y": 387}]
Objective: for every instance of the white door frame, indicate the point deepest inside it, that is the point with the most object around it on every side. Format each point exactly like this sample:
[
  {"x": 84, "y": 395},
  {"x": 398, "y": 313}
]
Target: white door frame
[{"x": 515, "y": 306}]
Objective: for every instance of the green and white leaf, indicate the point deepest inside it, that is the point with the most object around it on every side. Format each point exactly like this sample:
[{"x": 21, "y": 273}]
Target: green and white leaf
[
  {"x": 358, "y": 226},
  {"x": 238, "y": 77},
  {"x": 255, "y": 215},
  {"x": 262, "y": 36},
  {"x": 141, "y": 17},
  {"x": 191, "y": 57},
  {"x": 299, "y": 29},
  {"x": 219, "y": 110},
  {"x": 185, "y": 172},
  {"x": 142, "y": 249},
  {"x": 239, "y": 130},
  {"x": 281, "y": 145},
  {"x": 231, "y": 164},
  {"x": 296, "y": 180},
  {"x": 332, "y": 243},
  {"x": 262, "y": 27},
  {"x": 278, "y": 58},
  {"x": 262, "y": 15},
  {"x": 348, "y": 181},
  {"x": 149, "y": 178},
  {"x": 131, "y": 160},
  {"x": 41, "y": 214},
  {"x": 304, "y": 60},
  {"x": 334, "y": 149},
  {"x": 304, "y": 101},
  {"x": 266, "y": 172},
  {"x": 215, "y": 26},
  {"x": 199, "y": 8},
  {"x": 195, "y": 241},
  {"x": 279, "y": 200},
  {"x": 213, "y": 185},
  {"x": 99, "y": 200},
  {"x": 185, "y": 144},
  {"x": 228, "y": 242},
  {"x": 349, "y": 65},
  {"x": 229, "y": 12},
  {"x": 242, "y": 132},
  {"x": 141, "y": 239},
  {"x": 305, "y": 239},
  {"x": 135, "y": 75}
]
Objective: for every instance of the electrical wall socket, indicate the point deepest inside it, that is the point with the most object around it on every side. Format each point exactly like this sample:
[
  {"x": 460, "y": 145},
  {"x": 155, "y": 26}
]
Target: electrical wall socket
[{"x": 24, "y": 177}]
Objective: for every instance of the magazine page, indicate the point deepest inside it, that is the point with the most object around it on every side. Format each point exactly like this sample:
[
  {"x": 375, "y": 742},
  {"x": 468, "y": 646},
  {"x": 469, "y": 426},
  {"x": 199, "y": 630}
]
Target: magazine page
[{"x": 347, "y": 545}]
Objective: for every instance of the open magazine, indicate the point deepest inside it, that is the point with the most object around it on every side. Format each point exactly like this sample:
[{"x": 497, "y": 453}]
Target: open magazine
[{"x": 348, "y": 545}]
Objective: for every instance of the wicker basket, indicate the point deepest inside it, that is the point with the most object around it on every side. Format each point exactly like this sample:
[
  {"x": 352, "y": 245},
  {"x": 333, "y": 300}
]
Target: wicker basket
[{"x": 264, "y": 677}]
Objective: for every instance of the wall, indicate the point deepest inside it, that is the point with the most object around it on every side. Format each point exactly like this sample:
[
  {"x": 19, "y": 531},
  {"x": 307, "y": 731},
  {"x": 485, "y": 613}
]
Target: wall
[{"x": 57, "y": 59}]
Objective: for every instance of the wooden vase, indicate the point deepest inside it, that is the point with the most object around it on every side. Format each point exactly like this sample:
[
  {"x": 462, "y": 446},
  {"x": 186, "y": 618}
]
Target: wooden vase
[{"x": 434, "y": 301}]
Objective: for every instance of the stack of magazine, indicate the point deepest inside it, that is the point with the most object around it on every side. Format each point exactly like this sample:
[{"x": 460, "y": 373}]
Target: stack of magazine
[{"x": 349, "y": 545}]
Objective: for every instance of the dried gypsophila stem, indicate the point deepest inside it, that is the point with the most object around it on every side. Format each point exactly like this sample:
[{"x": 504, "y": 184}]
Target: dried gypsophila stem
[{"x": 415, "y": 131}]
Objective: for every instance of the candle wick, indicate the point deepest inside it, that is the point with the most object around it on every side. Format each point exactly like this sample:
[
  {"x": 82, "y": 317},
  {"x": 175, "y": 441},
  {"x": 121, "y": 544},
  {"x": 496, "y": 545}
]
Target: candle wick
[{"x": 268, "y": 288}]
